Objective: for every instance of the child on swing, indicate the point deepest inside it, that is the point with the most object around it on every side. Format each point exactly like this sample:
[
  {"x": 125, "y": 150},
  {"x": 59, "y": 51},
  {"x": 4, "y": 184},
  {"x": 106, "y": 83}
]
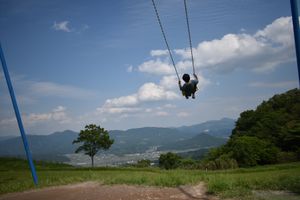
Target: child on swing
[{"x": 189, "y": 87}]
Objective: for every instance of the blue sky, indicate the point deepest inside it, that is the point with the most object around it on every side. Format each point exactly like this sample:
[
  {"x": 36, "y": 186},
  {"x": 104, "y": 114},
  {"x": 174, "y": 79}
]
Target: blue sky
[{"x": 78, "y": 62}]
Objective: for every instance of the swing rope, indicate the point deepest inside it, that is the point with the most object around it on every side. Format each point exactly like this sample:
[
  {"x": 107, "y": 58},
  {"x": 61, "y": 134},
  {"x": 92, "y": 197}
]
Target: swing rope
[
  {"x": 189, "y": 33},
  {"x": 165, "y": 38}
]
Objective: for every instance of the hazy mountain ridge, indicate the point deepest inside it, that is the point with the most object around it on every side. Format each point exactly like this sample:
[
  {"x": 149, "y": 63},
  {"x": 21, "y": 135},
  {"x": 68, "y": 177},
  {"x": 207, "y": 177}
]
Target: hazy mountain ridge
[
  {"x": 218, "y": 128},
  {"x": 131, "y": 141},
  {"x": 199, "y": 141}
]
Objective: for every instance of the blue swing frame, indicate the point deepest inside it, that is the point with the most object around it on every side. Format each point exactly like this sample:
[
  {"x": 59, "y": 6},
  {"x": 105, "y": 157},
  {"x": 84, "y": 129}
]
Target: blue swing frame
[{"x": 18, "y": 116}]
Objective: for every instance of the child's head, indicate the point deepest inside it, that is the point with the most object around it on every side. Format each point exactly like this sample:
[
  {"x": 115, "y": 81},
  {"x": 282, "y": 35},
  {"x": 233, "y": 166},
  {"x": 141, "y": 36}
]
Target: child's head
[{"x": 186, "y": 78}]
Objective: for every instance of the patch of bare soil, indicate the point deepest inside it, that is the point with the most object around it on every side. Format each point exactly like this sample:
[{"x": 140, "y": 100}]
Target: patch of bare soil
[{"x": 96, "y": 191}]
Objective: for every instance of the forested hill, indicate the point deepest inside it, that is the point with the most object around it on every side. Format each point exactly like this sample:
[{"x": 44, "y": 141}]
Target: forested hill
[
  {"x": 276, "y": 120},
  {"x": 269, "y": 134}
]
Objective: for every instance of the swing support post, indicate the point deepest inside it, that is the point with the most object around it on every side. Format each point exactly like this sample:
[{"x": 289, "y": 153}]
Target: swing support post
[
  {"x": 295, "y": 17},
  {"x": 18, "y": 116}
]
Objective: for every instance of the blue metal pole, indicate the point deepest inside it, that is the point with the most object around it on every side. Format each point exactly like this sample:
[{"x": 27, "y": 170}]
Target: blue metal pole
[
  {"x": 18, "y": 116},
  {"x": 295, "y": 16}
]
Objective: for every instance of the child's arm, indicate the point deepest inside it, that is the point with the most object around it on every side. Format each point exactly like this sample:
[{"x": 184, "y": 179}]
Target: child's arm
[
  {"x": 179, "y": 83},
  {"x": 196, "y": 77}
]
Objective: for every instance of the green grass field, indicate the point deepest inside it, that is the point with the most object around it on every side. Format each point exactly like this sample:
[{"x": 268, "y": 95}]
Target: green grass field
[{"x": 239, "y": 183}]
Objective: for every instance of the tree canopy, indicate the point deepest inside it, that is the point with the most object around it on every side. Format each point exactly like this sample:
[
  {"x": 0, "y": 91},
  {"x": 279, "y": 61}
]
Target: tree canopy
[
  {"x": 264, "y": 135},
  {"x": 93, "y": 138}
]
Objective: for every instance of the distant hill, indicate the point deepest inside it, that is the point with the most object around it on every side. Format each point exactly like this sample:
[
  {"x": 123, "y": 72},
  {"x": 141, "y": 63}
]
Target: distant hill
[
  {"x": 139, "y": 140},
  {"x": 46, "y": 147},
  {"x": 142, "y": 139},
  {"x": 199, "y": 141},
  {"x": 6, "y": 137},
  {"x": 217, "y": 128}
]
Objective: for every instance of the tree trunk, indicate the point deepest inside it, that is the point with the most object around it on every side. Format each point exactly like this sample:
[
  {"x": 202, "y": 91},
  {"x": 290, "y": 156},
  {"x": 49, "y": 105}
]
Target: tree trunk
[{"x": 92, "y": 157}]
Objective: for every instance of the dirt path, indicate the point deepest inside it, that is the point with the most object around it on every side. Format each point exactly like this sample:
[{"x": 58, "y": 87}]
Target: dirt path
[{"x": 95, "y": 191}]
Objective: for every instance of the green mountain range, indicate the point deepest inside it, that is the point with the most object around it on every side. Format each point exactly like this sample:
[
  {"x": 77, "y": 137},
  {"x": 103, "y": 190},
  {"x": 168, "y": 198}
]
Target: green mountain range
[{"x": 139, "y": 140}]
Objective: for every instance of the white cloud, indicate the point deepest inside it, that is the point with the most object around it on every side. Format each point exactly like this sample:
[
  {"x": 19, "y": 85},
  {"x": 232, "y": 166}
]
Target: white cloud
[
  {"x": 159, "y": 52},
  {"x": 8, "y": 121},
  {"x": 161, "y": 113},
  {"x": 118, "y": 110},
  {"x": 183, "y": 114},
  {"x": 59, "y": 109},
  {"x": 262, "y": 51},
  {"x": 280, "y": 32},
  {"x": 58, "y": 114},
  {"x": 169, "y": 82},
  {"x": 283, "y": 84},
  {"x": 129, "y": 100},
  {"x": 153, "y": 92},
  {"x": 62, "y": 26},
  {"x": 156, "y": 67},
  {"x": 148, "y": 92},
  {"x": 202, "y": 82}
]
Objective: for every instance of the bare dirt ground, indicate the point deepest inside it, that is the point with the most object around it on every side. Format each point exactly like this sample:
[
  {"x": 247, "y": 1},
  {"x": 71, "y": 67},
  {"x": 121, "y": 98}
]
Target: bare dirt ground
[{"x": 96, "y": 191}]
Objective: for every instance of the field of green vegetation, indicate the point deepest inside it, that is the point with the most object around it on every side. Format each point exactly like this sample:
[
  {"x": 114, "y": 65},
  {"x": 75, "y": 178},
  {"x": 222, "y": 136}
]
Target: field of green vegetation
[{"x": 238, "y": 183}]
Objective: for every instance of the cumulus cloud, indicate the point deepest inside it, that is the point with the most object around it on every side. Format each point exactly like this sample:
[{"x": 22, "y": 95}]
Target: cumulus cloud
[
  {"x": 58, "y": 114},
  {"x": 261, "y": 52},
  {"x": 159, "y": 52},
  {"x": 154, "y": 92},
  {"x": 169, "y": 82},
  {"x": 156, "y": 67},
  {"x": 148, "y": 92},
  {"x": 129, "y": 100},
  {"x": 280, "y": 32},
  {"x": 62, "y": 26}
]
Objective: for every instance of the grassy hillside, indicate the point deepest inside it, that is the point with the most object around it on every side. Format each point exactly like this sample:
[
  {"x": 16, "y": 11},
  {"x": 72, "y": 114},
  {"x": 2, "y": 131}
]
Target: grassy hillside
[{"x": 239, "y": 183}]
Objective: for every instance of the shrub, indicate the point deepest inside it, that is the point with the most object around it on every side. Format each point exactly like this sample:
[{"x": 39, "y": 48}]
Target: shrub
[
  {"x": 143, "y": 163},
  {"x": 285, "y": 157},
  {"x": 169, "y": 160}
]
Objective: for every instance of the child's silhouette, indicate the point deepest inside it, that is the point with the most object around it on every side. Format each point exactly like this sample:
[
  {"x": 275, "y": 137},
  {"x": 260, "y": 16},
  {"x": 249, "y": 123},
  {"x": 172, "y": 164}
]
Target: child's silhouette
[{"x": 189, "y": 87}]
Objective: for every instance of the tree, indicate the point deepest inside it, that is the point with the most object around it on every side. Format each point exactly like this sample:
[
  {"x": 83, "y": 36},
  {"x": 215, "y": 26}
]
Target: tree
[
  {"x": 143, "y": 163},
  {"x": 169, "y": 160},
  {"x": 93, "y": 138}
]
